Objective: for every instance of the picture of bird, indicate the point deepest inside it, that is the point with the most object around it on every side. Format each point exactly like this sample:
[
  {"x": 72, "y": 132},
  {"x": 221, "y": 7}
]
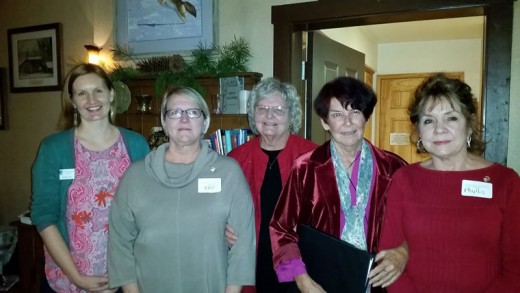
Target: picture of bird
[{"x": 181, "y": 7}]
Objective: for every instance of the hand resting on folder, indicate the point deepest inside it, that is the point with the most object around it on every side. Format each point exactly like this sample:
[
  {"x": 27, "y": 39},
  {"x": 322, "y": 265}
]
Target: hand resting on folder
[
  {"x": 334, "y": 265},
  {"x": 390, "y": 265}
]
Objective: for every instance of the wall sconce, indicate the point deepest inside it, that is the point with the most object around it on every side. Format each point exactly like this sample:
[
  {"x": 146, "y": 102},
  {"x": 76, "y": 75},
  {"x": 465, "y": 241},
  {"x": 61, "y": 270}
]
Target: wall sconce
[{"x": 93, "y": 54}]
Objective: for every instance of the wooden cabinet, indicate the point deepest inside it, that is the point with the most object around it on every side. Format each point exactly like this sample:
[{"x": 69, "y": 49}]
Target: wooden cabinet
[
  {"x": 31, "y": 259},
  {"x": 143, "y": 123}
]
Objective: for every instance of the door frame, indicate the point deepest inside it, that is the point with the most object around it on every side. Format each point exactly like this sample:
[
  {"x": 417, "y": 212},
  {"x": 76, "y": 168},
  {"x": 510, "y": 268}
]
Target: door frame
[
  {"x": 290, "y": 19},
  {"x": 330, "y": 48}
]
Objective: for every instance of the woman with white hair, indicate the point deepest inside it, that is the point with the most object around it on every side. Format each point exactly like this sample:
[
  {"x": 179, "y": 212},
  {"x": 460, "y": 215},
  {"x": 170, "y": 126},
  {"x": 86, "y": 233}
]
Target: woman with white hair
[{"x": 274, "y": 112}]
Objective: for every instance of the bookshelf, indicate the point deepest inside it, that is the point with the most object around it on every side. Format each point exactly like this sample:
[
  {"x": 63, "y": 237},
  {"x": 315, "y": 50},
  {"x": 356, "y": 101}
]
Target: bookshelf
[{"x": 143, "y": 123}]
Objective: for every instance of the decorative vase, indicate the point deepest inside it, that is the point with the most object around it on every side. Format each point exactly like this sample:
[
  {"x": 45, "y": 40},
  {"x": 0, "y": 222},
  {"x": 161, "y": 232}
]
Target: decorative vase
[
  {"x": 144, "y": 104},
  {"x": 215, "y": 101}
]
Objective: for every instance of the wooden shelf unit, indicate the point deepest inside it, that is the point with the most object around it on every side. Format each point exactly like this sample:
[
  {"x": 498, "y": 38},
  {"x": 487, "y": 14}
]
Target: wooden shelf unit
[
  {"x": 31, "y": 258},
  {"x": 143, "y": 123}
]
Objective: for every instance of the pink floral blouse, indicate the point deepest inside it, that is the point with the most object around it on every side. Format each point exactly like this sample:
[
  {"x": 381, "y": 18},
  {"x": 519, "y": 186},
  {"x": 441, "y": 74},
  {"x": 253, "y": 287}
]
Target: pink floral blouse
[{"x": 97, "y": 174}]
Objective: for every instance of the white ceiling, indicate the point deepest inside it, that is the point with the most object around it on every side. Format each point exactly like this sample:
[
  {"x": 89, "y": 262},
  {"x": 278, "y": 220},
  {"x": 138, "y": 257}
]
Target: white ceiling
[{"x": 427, "y": 30}]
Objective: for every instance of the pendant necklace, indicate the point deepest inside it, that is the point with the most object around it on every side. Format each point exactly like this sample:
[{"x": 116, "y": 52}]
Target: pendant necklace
[
  {"x": 349, "y": 174},
  {"x": 271, "y": 163}
]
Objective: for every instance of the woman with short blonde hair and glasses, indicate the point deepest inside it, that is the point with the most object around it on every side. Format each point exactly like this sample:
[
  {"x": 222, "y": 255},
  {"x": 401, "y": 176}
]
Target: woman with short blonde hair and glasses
[{"x": 168, "y": 219}]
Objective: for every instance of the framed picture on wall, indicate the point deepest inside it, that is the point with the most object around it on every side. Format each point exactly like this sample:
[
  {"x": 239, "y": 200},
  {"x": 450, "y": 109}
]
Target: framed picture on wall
[
  {"x": 35, "y": 58},
  {"x": 164, "y": 26},
  {"x": 3, "y": 99}
]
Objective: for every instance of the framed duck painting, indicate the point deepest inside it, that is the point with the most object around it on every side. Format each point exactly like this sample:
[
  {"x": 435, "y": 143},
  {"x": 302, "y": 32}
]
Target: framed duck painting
[{"x": 153, "y": 27}]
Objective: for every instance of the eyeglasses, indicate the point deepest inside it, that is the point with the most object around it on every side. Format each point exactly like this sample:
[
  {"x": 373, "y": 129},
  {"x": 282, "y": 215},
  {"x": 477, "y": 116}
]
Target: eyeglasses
[
  {"x": 177, "y": 113},
  {"x": 264, "y": 110}
]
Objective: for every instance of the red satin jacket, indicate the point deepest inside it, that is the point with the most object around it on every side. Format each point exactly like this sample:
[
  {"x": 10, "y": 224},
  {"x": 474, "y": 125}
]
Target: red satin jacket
[{"x": 311, "y": 197}]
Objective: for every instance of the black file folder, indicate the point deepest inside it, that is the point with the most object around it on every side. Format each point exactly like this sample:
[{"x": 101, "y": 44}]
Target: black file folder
[{"x": 336, "y": 265}]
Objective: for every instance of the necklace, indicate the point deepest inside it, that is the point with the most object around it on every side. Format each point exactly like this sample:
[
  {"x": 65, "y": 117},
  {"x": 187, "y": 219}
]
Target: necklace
[
  {"x": 349, "y": 173},
  {"x": 270, "y": 162},
  {"x": 350, "y": 166},
  {"x": 351, "y": 183}
]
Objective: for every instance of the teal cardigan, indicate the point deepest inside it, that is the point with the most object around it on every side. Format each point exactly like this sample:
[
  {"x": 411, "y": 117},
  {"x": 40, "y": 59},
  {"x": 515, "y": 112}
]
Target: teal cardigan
[{"x": 49, "y": 193}]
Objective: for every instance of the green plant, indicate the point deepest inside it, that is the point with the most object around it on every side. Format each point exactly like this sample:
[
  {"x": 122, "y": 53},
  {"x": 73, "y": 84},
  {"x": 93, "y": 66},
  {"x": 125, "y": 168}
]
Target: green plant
[
  {"x": 203, "y": 60},
  {"x": 167, "y": 79},
  {"x": 121, "y": 53},
  {"x": 176, "y": 71},
  {"x": 123, "y": 73},
  {"x": 233, "y": 57}
]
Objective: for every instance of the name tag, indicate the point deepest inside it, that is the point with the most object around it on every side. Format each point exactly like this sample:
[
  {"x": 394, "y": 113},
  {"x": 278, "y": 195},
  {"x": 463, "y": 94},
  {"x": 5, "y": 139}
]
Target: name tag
[
  {"x": 209, "y": 185},
  {"x": 477, "y": 189},
  {"x": 66, "y": 174}
]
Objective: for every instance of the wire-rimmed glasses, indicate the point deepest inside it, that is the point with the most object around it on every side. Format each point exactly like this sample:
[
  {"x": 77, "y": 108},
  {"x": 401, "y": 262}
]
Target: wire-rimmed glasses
[{"x": 276, "y": 110}]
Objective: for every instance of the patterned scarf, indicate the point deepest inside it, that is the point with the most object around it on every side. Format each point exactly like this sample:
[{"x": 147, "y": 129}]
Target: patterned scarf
[{"x": 354, "y": 205}]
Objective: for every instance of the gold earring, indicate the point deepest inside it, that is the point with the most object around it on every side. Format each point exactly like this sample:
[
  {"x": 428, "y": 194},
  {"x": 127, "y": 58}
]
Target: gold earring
[
  {"x": 419, "y": 146},
  {"x": 75, "y": 121}
]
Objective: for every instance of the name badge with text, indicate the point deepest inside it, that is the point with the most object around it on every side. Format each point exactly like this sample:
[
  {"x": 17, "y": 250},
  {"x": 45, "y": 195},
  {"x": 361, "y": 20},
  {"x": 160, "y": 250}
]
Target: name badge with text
[
  {"x": 66, "y": 174},
  {"x": 209, "y": 185},
  {"x": 477, "y": 189}
]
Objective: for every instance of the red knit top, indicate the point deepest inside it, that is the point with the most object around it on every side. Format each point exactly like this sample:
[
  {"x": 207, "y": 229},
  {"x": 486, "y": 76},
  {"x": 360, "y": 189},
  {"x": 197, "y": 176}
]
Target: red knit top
[{"x": 456, "y": 243}]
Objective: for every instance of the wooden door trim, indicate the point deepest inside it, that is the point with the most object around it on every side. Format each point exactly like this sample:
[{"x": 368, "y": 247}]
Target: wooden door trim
[{"x": 297, "y": 17}]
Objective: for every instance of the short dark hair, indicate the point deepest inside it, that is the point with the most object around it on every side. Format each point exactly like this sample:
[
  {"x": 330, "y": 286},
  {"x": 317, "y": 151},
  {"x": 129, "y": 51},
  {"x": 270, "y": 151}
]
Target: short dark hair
[
  {"x": 348, "y": 91},
  {"x": 440, "y": 87}
]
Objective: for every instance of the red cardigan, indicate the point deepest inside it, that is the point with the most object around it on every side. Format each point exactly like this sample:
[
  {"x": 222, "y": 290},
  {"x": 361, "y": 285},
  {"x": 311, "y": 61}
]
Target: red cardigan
[
  {"x": 311, "y": 197},
  {"x": 254, "y": 162}
]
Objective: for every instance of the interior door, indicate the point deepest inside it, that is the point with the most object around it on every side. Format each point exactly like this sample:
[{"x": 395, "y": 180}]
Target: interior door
[
  {"x": 328, "y": 60},
  {"x": 395, "y": 92}
]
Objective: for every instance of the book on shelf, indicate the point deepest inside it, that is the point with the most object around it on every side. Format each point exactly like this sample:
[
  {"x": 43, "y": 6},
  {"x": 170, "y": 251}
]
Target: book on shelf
[{"x": 224, "y": 140}]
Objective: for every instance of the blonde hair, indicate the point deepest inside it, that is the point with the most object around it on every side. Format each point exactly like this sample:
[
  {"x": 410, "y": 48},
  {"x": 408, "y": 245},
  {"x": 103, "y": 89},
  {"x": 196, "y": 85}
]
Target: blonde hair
[{"x": 191, "y": 95}]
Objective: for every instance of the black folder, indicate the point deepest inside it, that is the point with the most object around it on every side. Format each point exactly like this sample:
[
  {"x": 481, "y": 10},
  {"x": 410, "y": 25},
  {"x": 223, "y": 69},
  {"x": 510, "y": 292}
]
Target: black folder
[{"x": 336, "y": 265}]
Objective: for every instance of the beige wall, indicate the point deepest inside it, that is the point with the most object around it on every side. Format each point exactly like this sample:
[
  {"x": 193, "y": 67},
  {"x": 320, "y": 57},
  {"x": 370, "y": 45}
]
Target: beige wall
[
  {"x": 357, "y": 39},
  {"x": 252, "y": 20},
  {"x": 409, "y": 57},
  {"x": 33, "y": 116},
  {"x": 449, "y": 56}
]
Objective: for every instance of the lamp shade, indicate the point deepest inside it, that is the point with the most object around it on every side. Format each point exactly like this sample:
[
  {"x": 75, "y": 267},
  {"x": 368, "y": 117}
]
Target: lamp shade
[{"x": 93, "y": 53}]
